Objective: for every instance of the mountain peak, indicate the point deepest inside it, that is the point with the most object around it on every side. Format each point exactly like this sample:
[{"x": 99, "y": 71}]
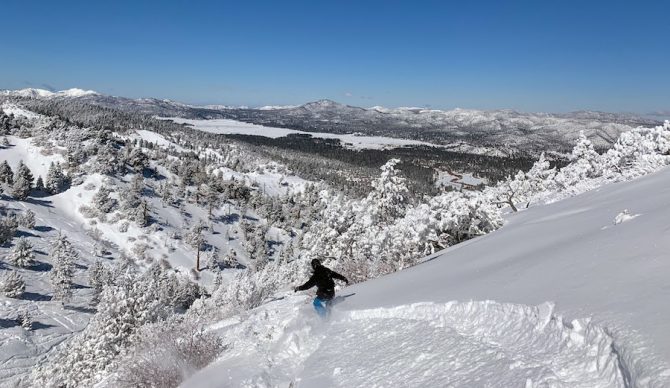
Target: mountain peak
[
  {"x": 42, "y": 93},
  {"x": 322, "y": 104}
]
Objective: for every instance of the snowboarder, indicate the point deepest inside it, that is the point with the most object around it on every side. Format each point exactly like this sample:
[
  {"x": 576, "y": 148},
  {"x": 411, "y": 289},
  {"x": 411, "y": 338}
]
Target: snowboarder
[{"x": 322, "y": 278}]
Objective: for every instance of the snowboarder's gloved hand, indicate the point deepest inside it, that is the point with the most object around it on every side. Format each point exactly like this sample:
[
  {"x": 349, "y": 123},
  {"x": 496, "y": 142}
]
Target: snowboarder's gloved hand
[{"x": 296, "y": 289}]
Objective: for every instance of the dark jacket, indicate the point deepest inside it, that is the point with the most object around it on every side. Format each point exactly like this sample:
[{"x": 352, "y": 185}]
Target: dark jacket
[{"x": 322, "y": 278}]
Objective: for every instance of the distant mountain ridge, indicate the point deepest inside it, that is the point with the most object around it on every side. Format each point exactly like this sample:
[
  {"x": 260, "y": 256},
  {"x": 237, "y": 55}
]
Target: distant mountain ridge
[{"x": 498, "y": 131}]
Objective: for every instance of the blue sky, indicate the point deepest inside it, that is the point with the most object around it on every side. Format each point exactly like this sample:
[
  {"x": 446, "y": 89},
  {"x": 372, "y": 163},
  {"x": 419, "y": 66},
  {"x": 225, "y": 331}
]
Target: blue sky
[{"x": 527, "y": 55}]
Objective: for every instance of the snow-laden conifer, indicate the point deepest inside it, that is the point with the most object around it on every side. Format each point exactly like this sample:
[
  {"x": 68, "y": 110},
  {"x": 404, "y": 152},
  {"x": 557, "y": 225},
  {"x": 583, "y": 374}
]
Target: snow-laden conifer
[
  {"x": 25, "y": 319},
  {"x": 22, "y": 254},
  {"x": 102, "y": 200},
  {"x": 27, "y": 219},
  {"x": 23, "y": 182},
  {"x": 6, "y": 173},
  {"x": 56, "y": 181},
  {"x": 389, "y": 197},
  {"x": 12, "y": 284},
  {"x": 63, "y": 257}
]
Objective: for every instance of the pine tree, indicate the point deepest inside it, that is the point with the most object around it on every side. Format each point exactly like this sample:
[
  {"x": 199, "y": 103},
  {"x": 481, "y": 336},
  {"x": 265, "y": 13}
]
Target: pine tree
[
  {"x": 103, "y": 201},
  {"x": 211, "y": 198},
  {"x": 218, "y": 281},
  {"x": 22, "y": 254},
  {"x": 137, "y": 184},
  {"x": 56, "y": 180},
  {"x": 28, "y": 219},
  {"x": 137, "y": 159},
  {"x": 389, "y": 198},
  {"x": 8, "y": 226},
  {"x": 25, "y": 319},
  {"x": 213, "y": 262},
  {"x": 142, "y": 218},
  {"x": 195, "y": 239},
  {"x": 6, "y": 173},
  {"x": 134, "y": 205},
  {"x": 23, "y": 182},
  {"x": 230, "y": 260},
  {"x": 98, "y": 277},
  {"x": 585, "y": 159},
  {"x": 13, "y": 285},
  {"x": 63, "y": 256},
  {"x": 39, "y": 184}
]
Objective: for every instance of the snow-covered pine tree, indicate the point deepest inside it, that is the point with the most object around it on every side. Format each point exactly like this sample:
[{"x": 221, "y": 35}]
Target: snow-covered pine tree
[
  {"x": 218, "y": 281},
  {"x": 8, "y": 226},
  {"x": 389, "y": 197},
  {"x": 585, "y": 158},
  {"x": 23, "y": 182},
  {"x": 13, "y": 285},
  {"x": 213, "y": 261},
  {"x": 584, "y": 149},
  {"x": 39, "y": 184},
  {"x": 137, "y": 184},
  {"x": 27, "y": 220},
  {"x": 230, "y": 260},
  {"x": 63, "y": 257},
  {"x": 287, "y": 253},
  {"x": 98, "y": 276},
  {"x": 133, "y": 205},
  {"x": 165, "y": 192},
  {"x": 541, "y": 175},
  {"x": 22, "y": 254},
  {"x": 195, "y": 239},
  {"x": 56, "y": 181},
  {"x": 25, "y": 319},
  {"x": 103, "y": 201},
  {"x": 137, "y": 159},
  {"x": 6, "y": 173},
  {"x": 256, "y": 244},
  {"x": 212, "y": 198}
]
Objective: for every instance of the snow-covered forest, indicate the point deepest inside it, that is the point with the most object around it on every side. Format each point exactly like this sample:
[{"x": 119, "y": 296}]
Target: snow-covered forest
[{"x": 128, "y": 242}]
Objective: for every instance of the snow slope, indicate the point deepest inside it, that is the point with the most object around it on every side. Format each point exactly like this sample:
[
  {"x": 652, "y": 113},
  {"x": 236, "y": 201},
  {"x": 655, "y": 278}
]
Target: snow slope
[
  {"x": 20, "y": 349},
  {"x": 559, "y": 297},
  {"x": 31, "y": 155}
]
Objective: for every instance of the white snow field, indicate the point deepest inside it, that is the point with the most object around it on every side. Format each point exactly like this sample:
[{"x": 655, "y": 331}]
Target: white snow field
[
  {"x": 226, "y": 126},
  {"x": 561, "y": 296}
]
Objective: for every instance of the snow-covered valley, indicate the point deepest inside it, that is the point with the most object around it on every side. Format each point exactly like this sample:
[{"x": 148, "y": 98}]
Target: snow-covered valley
[{"x": 227, "y": 126}]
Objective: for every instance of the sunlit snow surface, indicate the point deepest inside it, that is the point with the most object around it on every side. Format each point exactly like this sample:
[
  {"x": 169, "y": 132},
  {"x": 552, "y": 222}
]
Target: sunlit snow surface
[{"x": 609, "y": 326}]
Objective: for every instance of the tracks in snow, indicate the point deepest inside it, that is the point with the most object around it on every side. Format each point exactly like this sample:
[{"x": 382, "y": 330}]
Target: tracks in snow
[{"x": 478, "y": 344}]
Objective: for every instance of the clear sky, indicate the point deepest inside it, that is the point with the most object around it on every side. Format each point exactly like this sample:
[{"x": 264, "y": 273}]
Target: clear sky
[{"x": 535, "y": 55}]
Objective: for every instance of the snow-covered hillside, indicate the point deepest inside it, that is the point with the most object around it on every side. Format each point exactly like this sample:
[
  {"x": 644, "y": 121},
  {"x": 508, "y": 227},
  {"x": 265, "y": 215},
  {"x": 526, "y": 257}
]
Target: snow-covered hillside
[
  {"x": 136, "y": 251},
  {"x": 42, "y": 93},
  {"x": 108, "y": 238},
  {"x": 562, "y": 296}
]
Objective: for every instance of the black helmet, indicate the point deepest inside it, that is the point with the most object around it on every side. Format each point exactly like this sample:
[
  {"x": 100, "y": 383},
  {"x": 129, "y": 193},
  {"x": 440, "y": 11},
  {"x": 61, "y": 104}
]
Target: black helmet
[{"x": 316, "y": 263}]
